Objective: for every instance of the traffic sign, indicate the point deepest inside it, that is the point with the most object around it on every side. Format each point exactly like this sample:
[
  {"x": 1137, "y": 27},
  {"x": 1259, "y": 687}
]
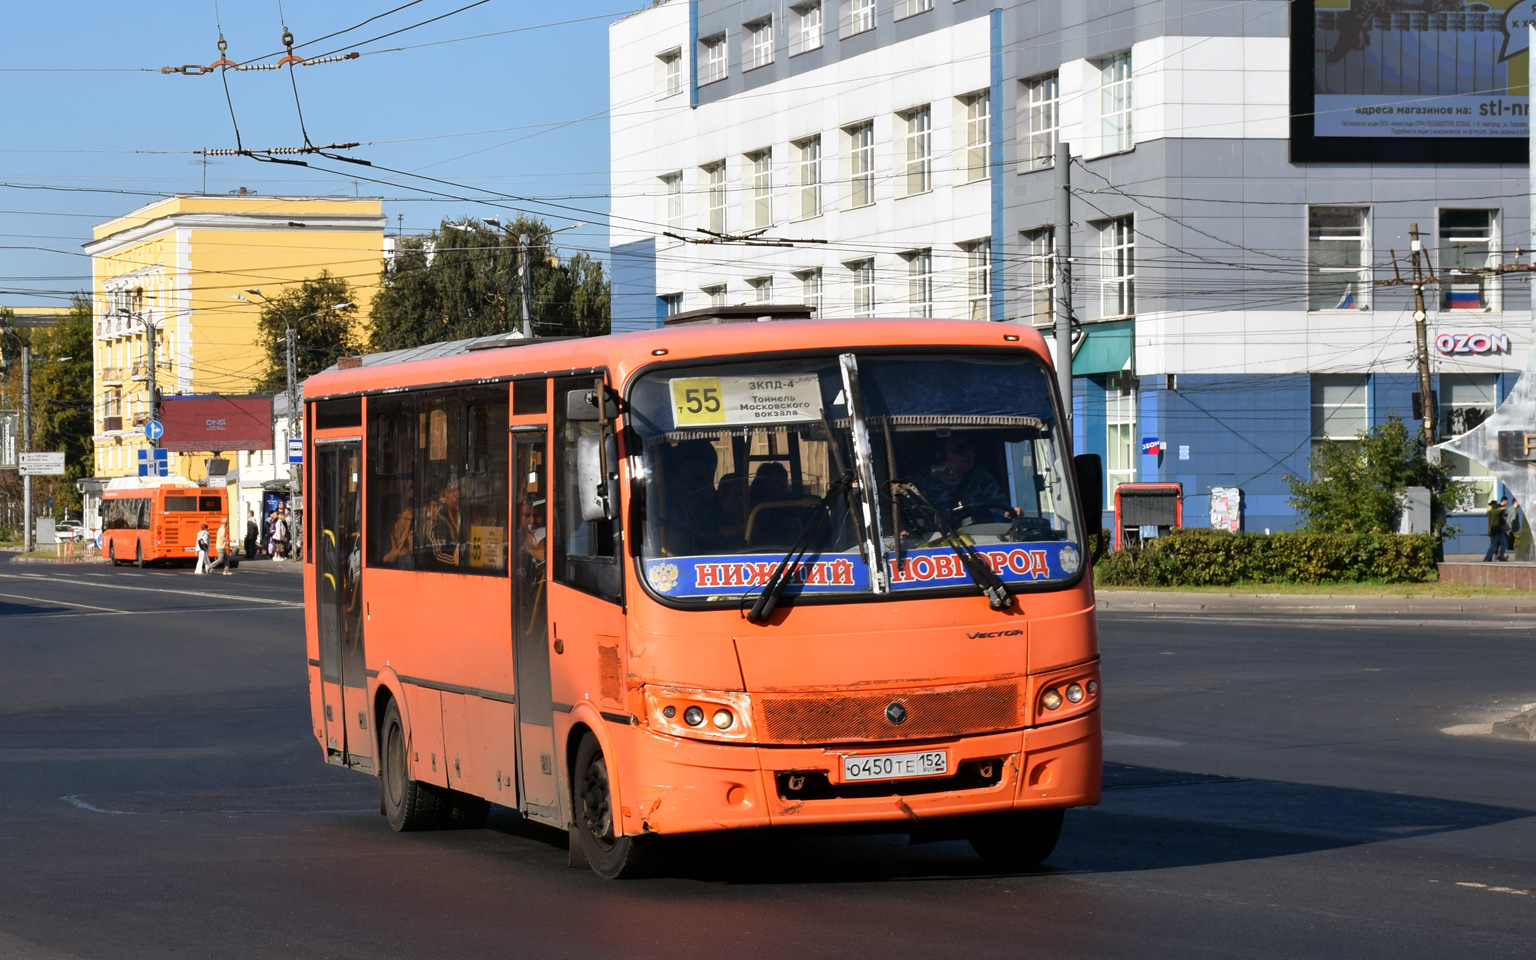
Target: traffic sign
[
  {"x": 154, "y": 430},
  {"x": 42, "y": 464},
  {"x": 154, "y": 463},
  {"x": 295, "y": 450}
]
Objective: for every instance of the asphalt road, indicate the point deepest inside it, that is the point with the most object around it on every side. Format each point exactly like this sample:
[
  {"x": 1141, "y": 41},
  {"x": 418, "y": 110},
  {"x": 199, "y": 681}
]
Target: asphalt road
[{"x": 1275, "y": 788}]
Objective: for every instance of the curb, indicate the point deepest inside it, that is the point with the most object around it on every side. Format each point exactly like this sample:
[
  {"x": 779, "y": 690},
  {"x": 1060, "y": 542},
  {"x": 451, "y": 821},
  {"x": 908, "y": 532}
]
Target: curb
[{"x": 1111, "y": 601}]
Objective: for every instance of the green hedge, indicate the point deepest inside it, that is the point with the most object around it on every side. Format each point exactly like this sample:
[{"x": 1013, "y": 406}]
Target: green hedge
[{"x": 1214, "y": 558}]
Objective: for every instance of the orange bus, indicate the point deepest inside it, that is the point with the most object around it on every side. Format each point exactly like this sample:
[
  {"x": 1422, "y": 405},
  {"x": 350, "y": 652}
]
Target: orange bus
[
  {"x": 797, "y": 573},
  {"x": 140, "y": 525}
]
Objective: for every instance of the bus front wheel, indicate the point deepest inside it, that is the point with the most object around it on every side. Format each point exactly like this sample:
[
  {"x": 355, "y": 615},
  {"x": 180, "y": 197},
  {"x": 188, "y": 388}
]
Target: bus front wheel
[
  {"x": 409, "y": 804},
  {"x": 611, "y": 857},
  {"x": 112, "y": 553},
  {"x": 138, "y": 556},
  {"x": 1016, "y": 840}
]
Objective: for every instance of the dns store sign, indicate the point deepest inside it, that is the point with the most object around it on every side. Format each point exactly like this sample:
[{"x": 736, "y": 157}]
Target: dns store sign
[{"x": 1472, "y": 343}]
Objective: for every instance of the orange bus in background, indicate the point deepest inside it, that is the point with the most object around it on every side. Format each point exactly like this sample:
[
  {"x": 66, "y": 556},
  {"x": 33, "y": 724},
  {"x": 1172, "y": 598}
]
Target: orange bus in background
[
  {"x": 716, "y": 576},
  {"x": 140, "y": 525}
]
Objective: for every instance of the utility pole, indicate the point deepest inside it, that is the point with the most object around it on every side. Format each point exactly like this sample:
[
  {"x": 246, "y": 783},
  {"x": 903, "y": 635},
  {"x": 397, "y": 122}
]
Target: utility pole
[
  {"x": 525, "y": 281},
  {"x": 296, "y": 492},
  {"x": 1421, "y": 333},
  {"x": 27, "y": 543},
  {"x": 1063, "y": 267}
]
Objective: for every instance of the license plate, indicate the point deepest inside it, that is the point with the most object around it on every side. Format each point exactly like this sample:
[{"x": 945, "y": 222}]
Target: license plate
[
  {"x": 896, "y": 766},
  {"x": 190, "y": 549}
]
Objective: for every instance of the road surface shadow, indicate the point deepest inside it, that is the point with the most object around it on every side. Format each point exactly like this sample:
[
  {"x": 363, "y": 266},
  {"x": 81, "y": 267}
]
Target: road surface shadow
[{"x": 1150, "y": 819}]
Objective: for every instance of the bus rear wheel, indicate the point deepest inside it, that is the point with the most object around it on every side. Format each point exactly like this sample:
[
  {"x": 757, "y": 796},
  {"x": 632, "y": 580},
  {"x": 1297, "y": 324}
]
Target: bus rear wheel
[
  {"x": 1016, "y": 840},
  {"x": 611, "y": 857},
  {"x": 409, "y": 804}
]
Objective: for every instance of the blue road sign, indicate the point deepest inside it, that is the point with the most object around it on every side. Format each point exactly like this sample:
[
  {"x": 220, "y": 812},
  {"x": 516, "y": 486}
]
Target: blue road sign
[
  {"x": 154, "y": 463},
  {"x": 154, "y": 429}
]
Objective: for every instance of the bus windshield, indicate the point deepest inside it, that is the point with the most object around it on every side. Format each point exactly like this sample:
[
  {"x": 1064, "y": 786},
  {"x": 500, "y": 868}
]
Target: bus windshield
[{"x": 880, "y": 467}]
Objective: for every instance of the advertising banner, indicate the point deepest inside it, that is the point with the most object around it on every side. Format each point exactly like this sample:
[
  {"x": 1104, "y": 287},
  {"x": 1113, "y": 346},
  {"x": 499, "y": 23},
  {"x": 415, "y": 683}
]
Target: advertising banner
[
  {"x": 10, "y": 439},
  {"x": 1434, "y": 74},
  {"x": 207, "y": 424}
]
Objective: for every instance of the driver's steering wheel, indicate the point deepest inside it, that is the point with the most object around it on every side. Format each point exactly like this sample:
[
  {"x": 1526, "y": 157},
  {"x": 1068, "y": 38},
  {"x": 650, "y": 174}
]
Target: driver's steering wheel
[{"x": 970, "y": 511}]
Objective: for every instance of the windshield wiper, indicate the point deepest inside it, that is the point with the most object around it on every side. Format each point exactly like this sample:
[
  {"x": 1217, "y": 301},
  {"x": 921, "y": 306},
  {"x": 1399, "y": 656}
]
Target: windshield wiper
[
  {"x": 762, "y": 608},
  {"x": 980, "y": 571}
]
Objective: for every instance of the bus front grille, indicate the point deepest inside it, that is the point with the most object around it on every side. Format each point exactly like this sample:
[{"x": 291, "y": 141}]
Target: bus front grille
[{"x": 864, "y": 717}]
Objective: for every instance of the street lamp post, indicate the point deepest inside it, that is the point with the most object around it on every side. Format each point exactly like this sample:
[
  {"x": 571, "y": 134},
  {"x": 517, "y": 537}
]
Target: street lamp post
[
  {"x": 290, "y": 338},
  {"x": 524, "y": 274}
]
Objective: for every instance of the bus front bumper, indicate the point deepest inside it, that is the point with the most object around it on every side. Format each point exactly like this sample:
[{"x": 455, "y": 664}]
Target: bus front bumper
[{"x": 685, "y": 786}]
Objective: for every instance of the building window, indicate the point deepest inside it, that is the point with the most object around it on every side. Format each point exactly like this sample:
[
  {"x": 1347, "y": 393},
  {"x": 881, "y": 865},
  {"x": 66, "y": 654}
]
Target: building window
[
  {"x": 714, "y": 175},
  {"x": 978, "y": 135},
  {"x": 1119, "y": 435},
  {"x": 978, "y": 279},
  {"x": 762, "y": 188},
  {"x": 863, "y": 287},
  {"x": 806, "y": 35},
  {"x": 759, "y": 43},
  {"x": 1466, "y": 400},
  {"x": 1467, "y": 246},
  {"x": 1040, "y": 253},
  {"x": 810, "y": 290},
  {"x": 1338, "y": 408},
  {"x": 1115, "y": 102},
  {"x": 1117, "y": 267},
  {"x": 861, "y": 164},
  {"x": 809, "y": 166},
  {"x": 671, "y": 64},
  {"x": 762, "y": 289},
  {"x": 713, "y": 58},
  {"x": 920, "y": 282},
  {"x": 919, "y": 167},
  {"x": 911, "y": 8},
  {"x": 1042, "y": 96},
  {"x": 1337, "y": 258},
  {"x": 672, "y": 185},
  {"x": 715, "y": 294},
  {"x": 671, "y": 304},
  {"x": 858, "y": 17}
]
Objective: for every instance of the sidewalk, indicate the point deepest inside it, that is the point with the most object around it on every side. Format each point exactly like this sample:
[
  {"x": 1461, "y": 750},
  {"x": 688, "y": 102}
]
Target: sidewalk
[{"x": 1112, "y": 600}]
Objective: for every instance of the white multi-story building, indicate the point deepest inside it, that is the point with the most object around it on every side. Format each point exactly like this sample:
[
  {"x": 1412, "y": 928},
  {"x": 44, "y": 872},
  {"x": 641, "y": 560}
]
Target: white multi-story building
[{"x": 1244, "y": 179}]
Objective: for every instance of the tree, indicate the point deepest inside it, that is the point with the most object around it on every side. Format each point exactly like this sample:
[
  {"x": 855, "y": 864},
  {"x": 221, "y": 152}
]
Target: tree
[
  {"x": 62, "y": 400},
  {"x": 462, "y": 281},
  {"x": 1355, "y": 485},
  {"x": 322, "y": 332}
]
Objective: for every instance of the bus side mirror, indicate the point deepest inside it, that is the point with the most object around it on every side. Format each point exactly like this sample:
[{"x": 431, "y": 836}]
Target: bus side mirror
[
  {"x": 597, "y": 463},
  {"x": 1090, "y": 487},
  {"x": 581, "y": 405},
  {"x": 101, "y": 508}
]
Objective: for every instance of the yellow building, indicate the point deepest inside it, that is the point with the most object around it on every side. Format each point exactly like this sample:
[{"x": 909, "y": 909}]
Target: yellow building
[{"x": 175, "y": 267}]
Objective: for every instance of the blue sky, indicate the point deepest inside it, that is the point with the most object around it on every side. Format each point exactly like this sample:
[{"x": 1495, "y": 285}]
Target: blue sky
[{"x": 85, "y": 113}]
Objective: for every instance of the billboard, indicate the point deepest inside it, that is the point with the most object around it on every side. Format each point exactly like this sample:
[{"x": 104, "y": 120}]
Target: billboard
[
  {"x": 1410, "y": 80},
  {"x": 214, "y": 423}
]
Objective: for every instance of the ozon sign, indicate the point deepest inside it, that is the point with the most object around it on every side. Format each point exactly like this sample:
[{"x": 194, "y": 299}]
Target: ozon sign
[{"x": 1474, "y": 343}]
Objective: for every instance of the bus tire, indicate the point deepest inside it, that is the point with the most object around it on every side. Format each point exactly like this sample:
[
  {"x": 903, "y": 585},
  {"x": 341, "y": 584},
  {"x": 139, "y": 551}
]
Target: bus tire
[
  {"x": 1016, "y": 840},
  {"x": 464, "y": 811},
  {"x": 409, "y": 804},
  {"x": 138, "y": 555},
  {"x": 112, "y": 553},
  {"x": 611, "y": 857}
]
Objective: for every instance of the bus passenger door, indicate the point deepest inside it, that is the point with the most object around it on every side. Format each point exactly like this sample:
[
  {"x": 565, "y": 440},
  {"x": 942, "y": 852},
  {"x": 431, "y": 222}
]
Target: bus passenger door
[
  {"x": 537, "y": 786},
  {"x": 338, "y": 567}
]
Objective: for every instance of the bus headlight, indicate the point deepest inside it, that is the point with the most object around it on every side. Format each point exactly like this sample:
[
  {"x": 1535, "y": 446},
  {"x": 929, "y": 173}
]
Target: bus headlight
[
  {"x": 1051, "y": 699},
  {"x": 1074, "y": 693},
  {"x": 699, "y": 714}
]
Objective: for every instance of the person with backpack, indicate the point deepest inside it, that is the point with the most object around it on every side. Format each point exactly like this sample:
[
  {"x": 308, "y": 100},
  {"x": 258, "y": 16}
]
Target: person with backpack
[{"x": 202, "y": 550}]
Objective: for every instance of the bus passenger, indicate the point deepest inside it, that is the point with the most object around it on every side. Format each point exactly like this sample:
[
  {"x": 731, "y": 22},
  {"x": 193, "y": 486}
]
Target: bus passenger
[
  {"x": 696, "y": 519},
  {"x": 444, "y": 530}
]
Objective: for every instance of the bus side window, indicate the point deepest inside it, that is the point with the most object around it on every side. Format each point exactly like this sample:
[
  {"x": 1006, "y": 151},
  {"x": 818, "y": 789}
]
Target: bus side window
[{"x": 587, "y": 552}]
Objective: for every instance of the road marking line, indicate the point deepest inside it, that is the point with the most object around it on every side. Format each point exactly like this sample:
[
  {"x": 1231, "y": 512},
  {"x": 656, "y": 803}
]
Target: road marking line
[
  {"x": 86, "y": 806},
  {"x": 62, "y": 603},
  {"x": 122, "y": 586}
]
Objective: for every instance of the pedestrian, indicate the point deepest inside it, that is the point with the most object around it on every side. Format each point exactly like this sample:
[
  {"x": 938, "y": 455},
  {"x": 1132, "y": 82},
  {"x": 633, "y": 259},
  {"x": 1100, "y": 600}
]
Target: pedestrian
[
  {"x": 279, "y": 536},
  {"x": 221, "y": 544},
  {"x": 1496, "y": 532},
  {"x": 1511, "y": 521},
  {"x": 202, "y": 550},
  {"x": 252, "y": 534}
]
